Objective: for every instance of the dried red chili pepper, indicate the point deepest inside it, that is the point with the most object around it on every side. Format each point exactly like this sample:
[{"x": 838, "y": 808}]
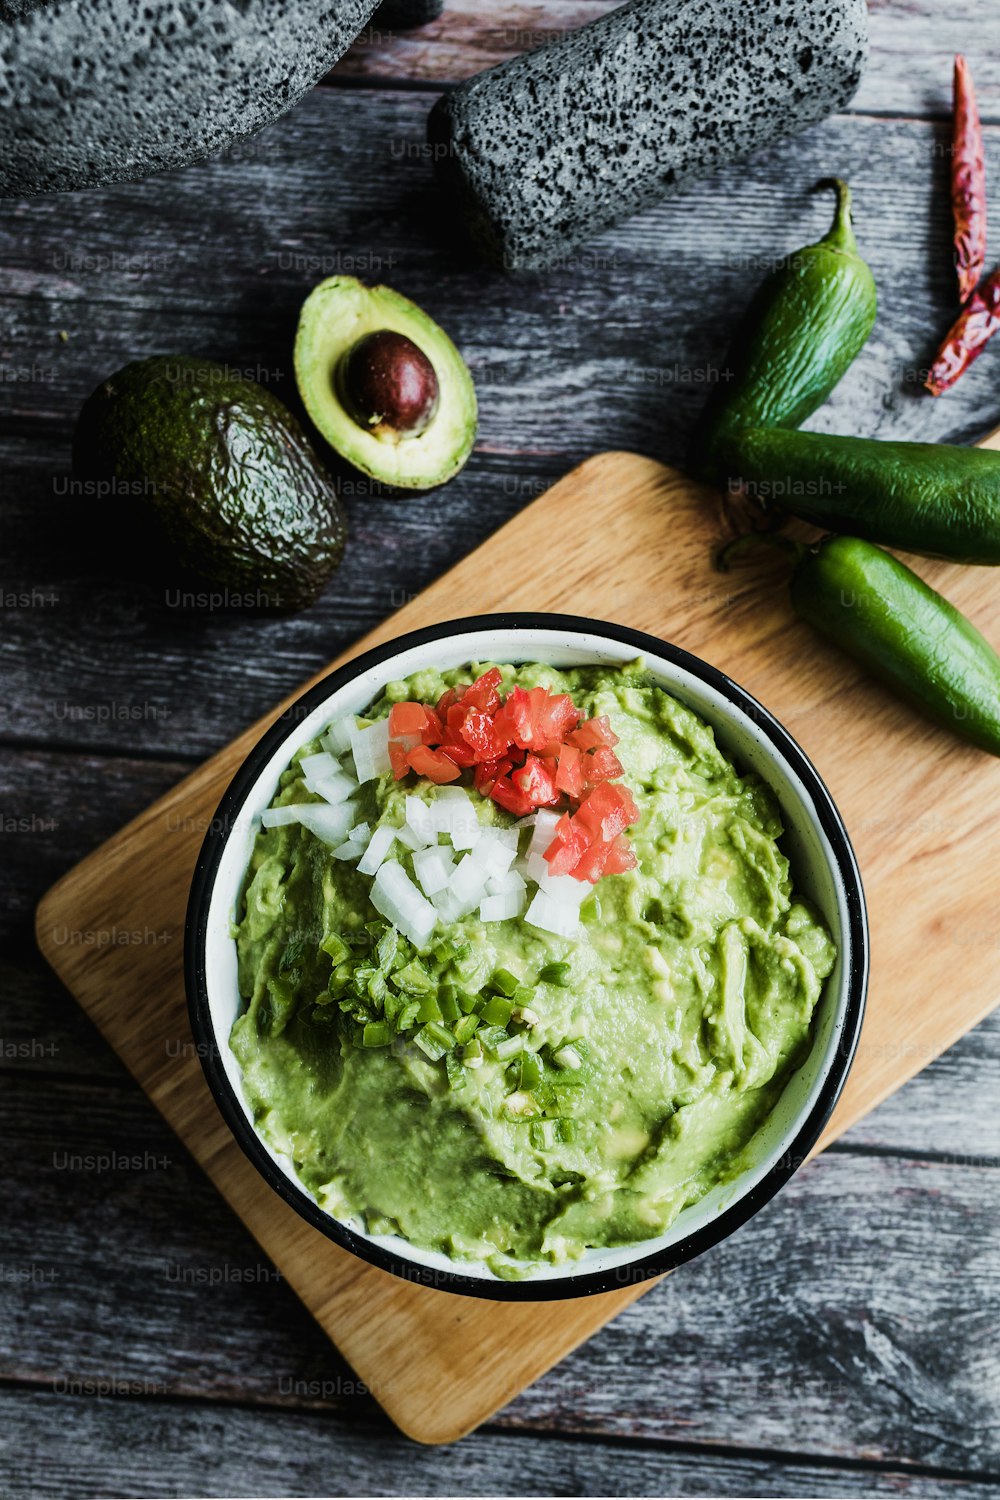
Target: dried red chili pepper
[
  {"x": 968, "y": 336},
  {"x": 968, "y": 183}
]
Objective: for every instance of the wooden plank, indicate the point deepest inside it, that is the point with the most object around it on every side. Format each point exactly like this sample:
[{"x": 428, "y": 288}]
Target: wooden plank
[
  {"x": 946, "y": 1108},
  {"x": 55, "y": 1445},
  {"x": 909, "y": 73},
  {"x": 923, "y": 893},
  {"x": 56, "y": 808},
  {"x": 615, "y": 351},
  {"x": 780, "y": 1340}
]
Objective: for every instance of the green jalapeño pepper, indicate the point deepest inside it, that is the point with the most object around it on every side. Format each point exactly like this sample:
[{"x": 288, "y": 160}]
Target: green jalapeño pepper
[
  {"x": 878, "y": 610},
  {"x": 935, "y": 499},
  {"x": 807, "y": 323}
]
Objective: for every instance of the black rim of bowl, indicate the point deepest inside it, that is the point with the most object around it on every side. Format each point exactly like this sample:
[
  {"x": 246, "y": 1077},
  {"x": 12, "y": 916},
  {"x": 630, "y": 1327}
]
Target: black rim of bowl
[{"x": 586, "y": 1282}]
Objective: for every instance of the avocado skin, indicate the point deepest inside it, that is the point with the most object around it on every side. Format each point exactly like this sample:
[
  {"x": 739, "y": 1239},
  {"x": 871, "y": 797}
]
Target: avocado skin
[{"x": 215, "y": 466}]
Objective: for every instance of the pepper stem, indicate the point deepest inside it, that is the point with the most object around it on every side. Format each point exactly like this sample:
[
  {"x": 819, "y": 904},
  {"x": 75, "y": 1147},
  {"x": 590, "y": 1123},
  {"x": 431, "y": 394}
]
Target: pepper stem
[
  {"x": 740, "y": 545},
  {"x": 841, "y": 234}
]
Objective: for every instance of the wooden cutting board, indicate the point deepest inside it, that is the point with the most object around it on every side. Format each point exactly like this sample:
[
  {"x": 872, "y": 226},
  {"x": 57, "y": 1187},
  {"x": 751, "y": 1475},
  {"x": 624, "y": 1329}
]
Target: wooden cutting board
[{"x": 623, "y": 539}]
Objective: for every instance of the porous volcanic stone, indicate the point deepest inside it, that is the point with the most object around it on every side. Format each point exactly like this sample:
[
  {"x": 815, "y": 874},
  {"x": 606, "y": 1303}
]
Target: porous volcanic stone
[
  {"x": 549, "y": 148},
  {"x": 102, "y": 90}
]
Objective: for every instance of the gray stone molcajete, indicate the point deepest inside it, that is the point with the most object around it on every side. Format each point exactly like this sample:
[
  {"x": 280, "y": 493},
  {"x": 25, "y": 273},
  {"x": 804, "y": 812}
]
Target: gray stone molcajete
[
  {"x": 103, "y": 90},
  {"x": 549, "y": 148}
]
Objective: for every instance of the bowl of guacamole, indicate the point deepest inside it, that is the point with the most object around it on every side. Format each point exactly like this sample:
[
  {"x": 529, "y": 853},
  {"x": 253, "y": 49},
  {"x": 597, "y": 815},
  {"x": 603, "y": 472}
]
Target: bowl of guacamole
[{"x": 526, "y": 956}]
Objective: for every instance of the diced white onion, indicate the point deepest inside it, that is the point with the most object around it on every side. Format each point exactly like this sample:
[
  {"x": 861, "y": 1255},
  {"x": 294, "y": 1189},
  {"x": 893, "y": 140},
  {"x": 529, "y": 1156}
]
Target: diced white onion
[
  {"x": 468, "y": 880},
  {"x": 315, "y": 767},
  {"x": 371, "y": 750},
  {"x": 328, "y": 823},
  {"x": 528, "y": 822},
  {"x": 360, "y": 834},
  {"x": 278, "y": 817},
  {"x": 567, "y": 890},
  {"x": 455, "y": 816},
  {"x": 433, "y": 868},
  {"x": 335, "y": 788},
  {"x": 544, "y": 830},
  {"x": 350, "y": 851},
  {"x": 501, "y": 908},
  {"x": 381, "y": 842},
  {"x": 491, "y": 856},
  {"x": 451, "y": 813},
  {"x": 507, "y": 836},
  {"x": 338, "y": 737},
  {"x": 464, "y": 829},
  {"x": 552, "y": 916},
  {"x": 503, "y": 885},
  {"x": 451, "y": 909},
  {"x": 408, "y": 838},
  {"x": 397, "y": 898},
  {"x": 418, "y": 817},
  {"x": 331, "y": 824}
]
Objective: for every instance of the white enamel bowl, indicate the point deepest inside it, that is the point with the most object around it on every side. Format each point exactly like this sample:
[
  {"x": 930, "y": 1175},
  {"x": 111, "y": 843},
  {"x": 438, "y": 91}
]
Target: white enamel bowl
[{"x": 815, "y": 840}]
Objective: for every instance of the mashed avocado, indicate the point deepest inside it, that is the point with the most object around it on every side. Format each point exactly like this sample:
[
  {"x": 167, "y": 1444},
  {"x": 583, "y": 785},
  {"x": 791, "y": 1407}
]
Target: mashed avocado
[{"x": 654, "y": 1044}]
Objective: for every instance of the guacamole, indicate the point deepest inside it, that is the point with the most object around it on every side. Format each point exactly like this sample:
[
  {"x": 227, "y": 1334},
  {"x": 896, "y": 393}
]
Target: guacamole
[{"x": 637, "y": 1058}]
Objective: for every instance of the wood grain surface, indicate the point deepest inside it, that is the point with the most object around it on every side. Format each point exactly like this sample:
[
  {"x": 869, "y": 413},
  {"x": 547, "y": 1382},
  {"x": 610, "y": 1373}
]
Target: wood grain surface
[
  {"x": 146, "y": 1346},
  {"x": 909, "y": 73},
  {"x": 441, "y": 1365}
]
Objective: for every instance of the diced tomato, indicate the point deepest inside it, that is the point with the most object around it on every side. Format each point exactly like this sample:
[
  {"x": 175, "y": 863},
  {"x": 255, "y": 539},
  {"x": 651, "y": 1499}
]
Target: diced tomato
[
  {"x": 621, "y": 857},
  {"x": 592, "y": 863},
  {"x": 452, "y": 741},
  {"x": 526, "y": 752},
  {"x": 399, "y": 759},
  {"x": 567, "y": 847},
  {"x": 407, "y": 718},
  {"x": 479, "y": 731},
  {"x": 459, "y": 754},
  {"x": 608, "y": 810},
  {"x": 557, "y": 716},
  {"x": 602, "y": 764},
  {"x": 484, "y": 693},
  {"x": 536, "y": 779},
  {"x": 452, "y": 721},
  {"x": 537, "y": 720},
  {"x": 433, "y": 764},
  {"x": 593, "y": 734},
  {"x": 433, "y": 729},
  {"x": 569, "y": 777},
  {"x": 486, "y": 773},
  {"x": 506, "y": 795},
  {"x": 514, "y": 720},
  {"x": 400, "y": 746}
]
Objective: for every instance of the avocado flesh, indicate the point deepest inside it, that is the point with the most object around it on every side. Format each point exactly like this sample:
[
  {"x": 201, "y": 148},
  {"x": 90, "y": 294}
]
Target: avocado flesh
[
  {"x": 222, "y": 471},
  {"x": 336, "y": 315}
]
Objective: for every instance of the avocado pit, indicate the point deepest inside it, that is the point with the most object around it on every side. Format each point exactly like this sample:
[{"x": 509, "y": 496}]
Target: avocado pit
[{"x": 390, "y": 386}]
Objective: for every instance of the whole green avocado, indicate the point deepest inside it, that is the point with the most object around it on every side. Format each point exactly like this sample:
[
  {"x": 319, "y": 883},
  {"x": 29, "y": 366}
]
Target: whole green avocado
[{"x": 223, "y": 471}]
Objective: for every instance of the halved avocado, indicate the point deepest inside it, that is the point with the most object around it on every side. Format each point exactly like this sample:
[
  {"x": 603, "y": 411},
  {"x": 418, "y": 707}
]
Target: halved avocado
[{"x": 384, "y": 384}]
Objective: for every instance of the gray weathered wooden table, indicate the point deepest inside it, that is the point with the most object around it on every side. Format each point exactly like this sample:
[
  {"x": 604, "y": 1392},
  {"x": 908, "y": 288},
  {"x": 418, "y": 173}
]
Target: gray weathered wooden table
[{"x": 845, "y": 1342}]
